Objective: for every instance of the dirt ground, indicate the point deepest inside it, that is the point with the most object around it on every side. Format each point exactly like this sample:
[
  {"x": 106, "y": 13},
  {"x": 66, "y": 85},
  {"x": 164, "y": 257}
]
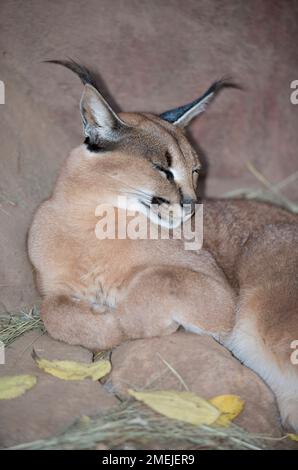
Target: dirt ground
[{"x": 152, "y": 56}]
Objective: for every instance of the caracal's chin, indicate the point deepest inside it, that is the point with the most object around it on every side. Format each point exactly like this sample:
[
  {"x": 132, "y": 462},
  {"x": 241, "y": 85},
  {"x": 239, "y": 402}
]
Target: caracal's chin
[{"x": 169, "y": 217}]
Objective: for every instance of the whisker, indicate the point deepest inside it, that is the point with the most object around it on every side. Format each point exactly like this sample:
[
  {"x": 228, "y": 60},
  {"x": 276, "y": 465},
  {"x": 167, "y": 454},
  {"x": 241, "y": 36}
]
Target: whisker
[
  {"x": 129, "y": 186},
  {"x": 139, "y": 195}
]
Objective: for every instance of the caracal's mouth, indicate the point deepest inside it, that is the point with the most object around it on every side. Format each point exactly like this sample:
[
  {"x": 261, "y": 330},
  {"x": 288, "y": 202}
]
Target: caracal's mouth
[
  {"x": 167, "y": 215},
  {"x": 157, "y": 210}
]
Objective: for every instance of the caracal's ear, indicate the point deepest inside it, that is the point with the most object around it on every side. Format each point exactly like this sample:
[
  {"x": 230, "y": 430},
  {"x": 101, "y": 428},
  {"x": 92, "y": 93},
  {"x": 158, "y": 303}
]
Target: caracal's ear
[
  {"x": 101, "y": 124},
  {"x": 183, "y": 115}
]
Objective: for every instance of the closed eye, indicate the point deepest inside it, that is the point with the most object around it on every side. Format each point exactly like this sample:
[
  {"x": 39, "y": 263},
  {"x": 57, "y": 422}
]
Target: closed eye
[{"x": 169, "y": 175}]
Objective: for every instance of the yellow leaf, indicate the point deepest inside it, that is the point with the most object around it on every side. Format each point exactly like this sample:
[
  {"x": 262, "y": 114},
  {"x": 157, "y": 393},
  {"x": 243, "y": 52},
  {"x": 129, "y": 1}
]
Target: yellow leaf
[
  {"x": 294, "y": 437},
  {"x": 183, "y": 406},
  {"x": 14, "y": 386},
  {"x": 230, "y": 407},
  {"x": 71, "y": 370},
  {"x": 84, "y": 420}
]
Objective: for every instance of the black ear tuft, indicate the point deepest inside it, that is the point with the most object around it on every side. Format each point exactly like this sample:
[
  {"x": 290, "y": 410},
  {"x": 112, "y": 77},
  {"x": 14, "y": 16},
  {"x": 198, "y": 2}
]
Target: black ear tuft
[
  {"x": 85, "y": 75},
  {"x": 184, "y": 114}
]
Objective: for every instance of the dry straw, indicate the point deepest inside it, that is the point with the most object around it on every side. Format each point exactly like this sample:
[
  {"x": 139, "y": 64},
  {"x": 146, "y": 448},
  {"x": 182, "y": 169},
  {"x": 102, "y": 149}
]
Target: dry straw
[
  {"x": 13, "y": 325},
  {"x": 133, "y": 426}
]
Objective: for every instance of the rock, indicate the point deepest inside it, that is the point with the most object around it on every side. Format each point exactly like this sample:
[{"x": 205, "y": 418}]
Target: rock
[
  {"x": 206, "y": 368},
  {"x": 53, "y": 404}
]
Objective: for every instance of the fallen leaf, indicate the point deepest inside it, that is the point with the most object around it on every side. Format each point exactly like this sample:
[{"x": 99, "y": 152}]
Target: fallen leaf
[
  {"x": 71, "y": 370},
  {"x": 183, "y": 406},
  {"x": 84, "y": 420},
  {"x": 14, "y": 386},
  {"x": 294, "y": 437},
  {"x": 230, "y": 407}
]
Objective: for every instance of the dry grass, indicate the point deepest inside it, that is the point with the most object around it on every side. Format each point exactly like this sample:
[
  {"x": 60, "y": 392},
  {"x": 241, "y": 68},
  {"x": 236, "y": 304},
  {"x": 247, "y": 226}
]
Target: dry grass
[
  {"x": 13, "y": 325},
  {"x": 269, "y": 192},
  {"x": 133, "y": 426}
]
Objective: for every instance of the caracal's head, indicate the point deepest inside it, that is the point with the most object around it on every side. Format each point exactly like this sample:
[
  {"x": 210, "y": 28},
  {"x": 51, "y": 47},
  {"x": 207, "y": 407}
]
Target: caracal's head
[{"x": 138, "y": 161}]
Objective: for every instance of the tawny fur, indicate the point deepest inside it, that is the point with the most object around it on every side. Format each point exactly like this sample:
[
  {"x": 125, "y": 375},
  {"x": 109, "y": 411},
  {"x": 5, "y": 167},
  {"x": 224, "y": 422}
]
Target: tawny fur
[{"x": 241, "y": 288}]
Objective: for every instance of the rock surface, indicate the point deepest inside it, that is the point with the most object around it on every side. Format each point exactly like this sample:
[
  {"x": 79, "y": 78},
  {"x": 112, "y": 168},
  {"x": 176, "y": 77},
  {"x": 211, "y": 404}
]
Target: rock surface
[
  {"x": 203, "y": 365},
  {"x": 52, "y": 404}
]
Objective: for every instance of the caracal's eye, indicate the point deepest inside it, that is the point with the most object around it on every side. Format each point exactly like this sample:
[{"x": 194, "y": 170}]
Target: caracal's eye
[
  {"x": 164, "y": 171},
  {"x": 196, "y": 172}
]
